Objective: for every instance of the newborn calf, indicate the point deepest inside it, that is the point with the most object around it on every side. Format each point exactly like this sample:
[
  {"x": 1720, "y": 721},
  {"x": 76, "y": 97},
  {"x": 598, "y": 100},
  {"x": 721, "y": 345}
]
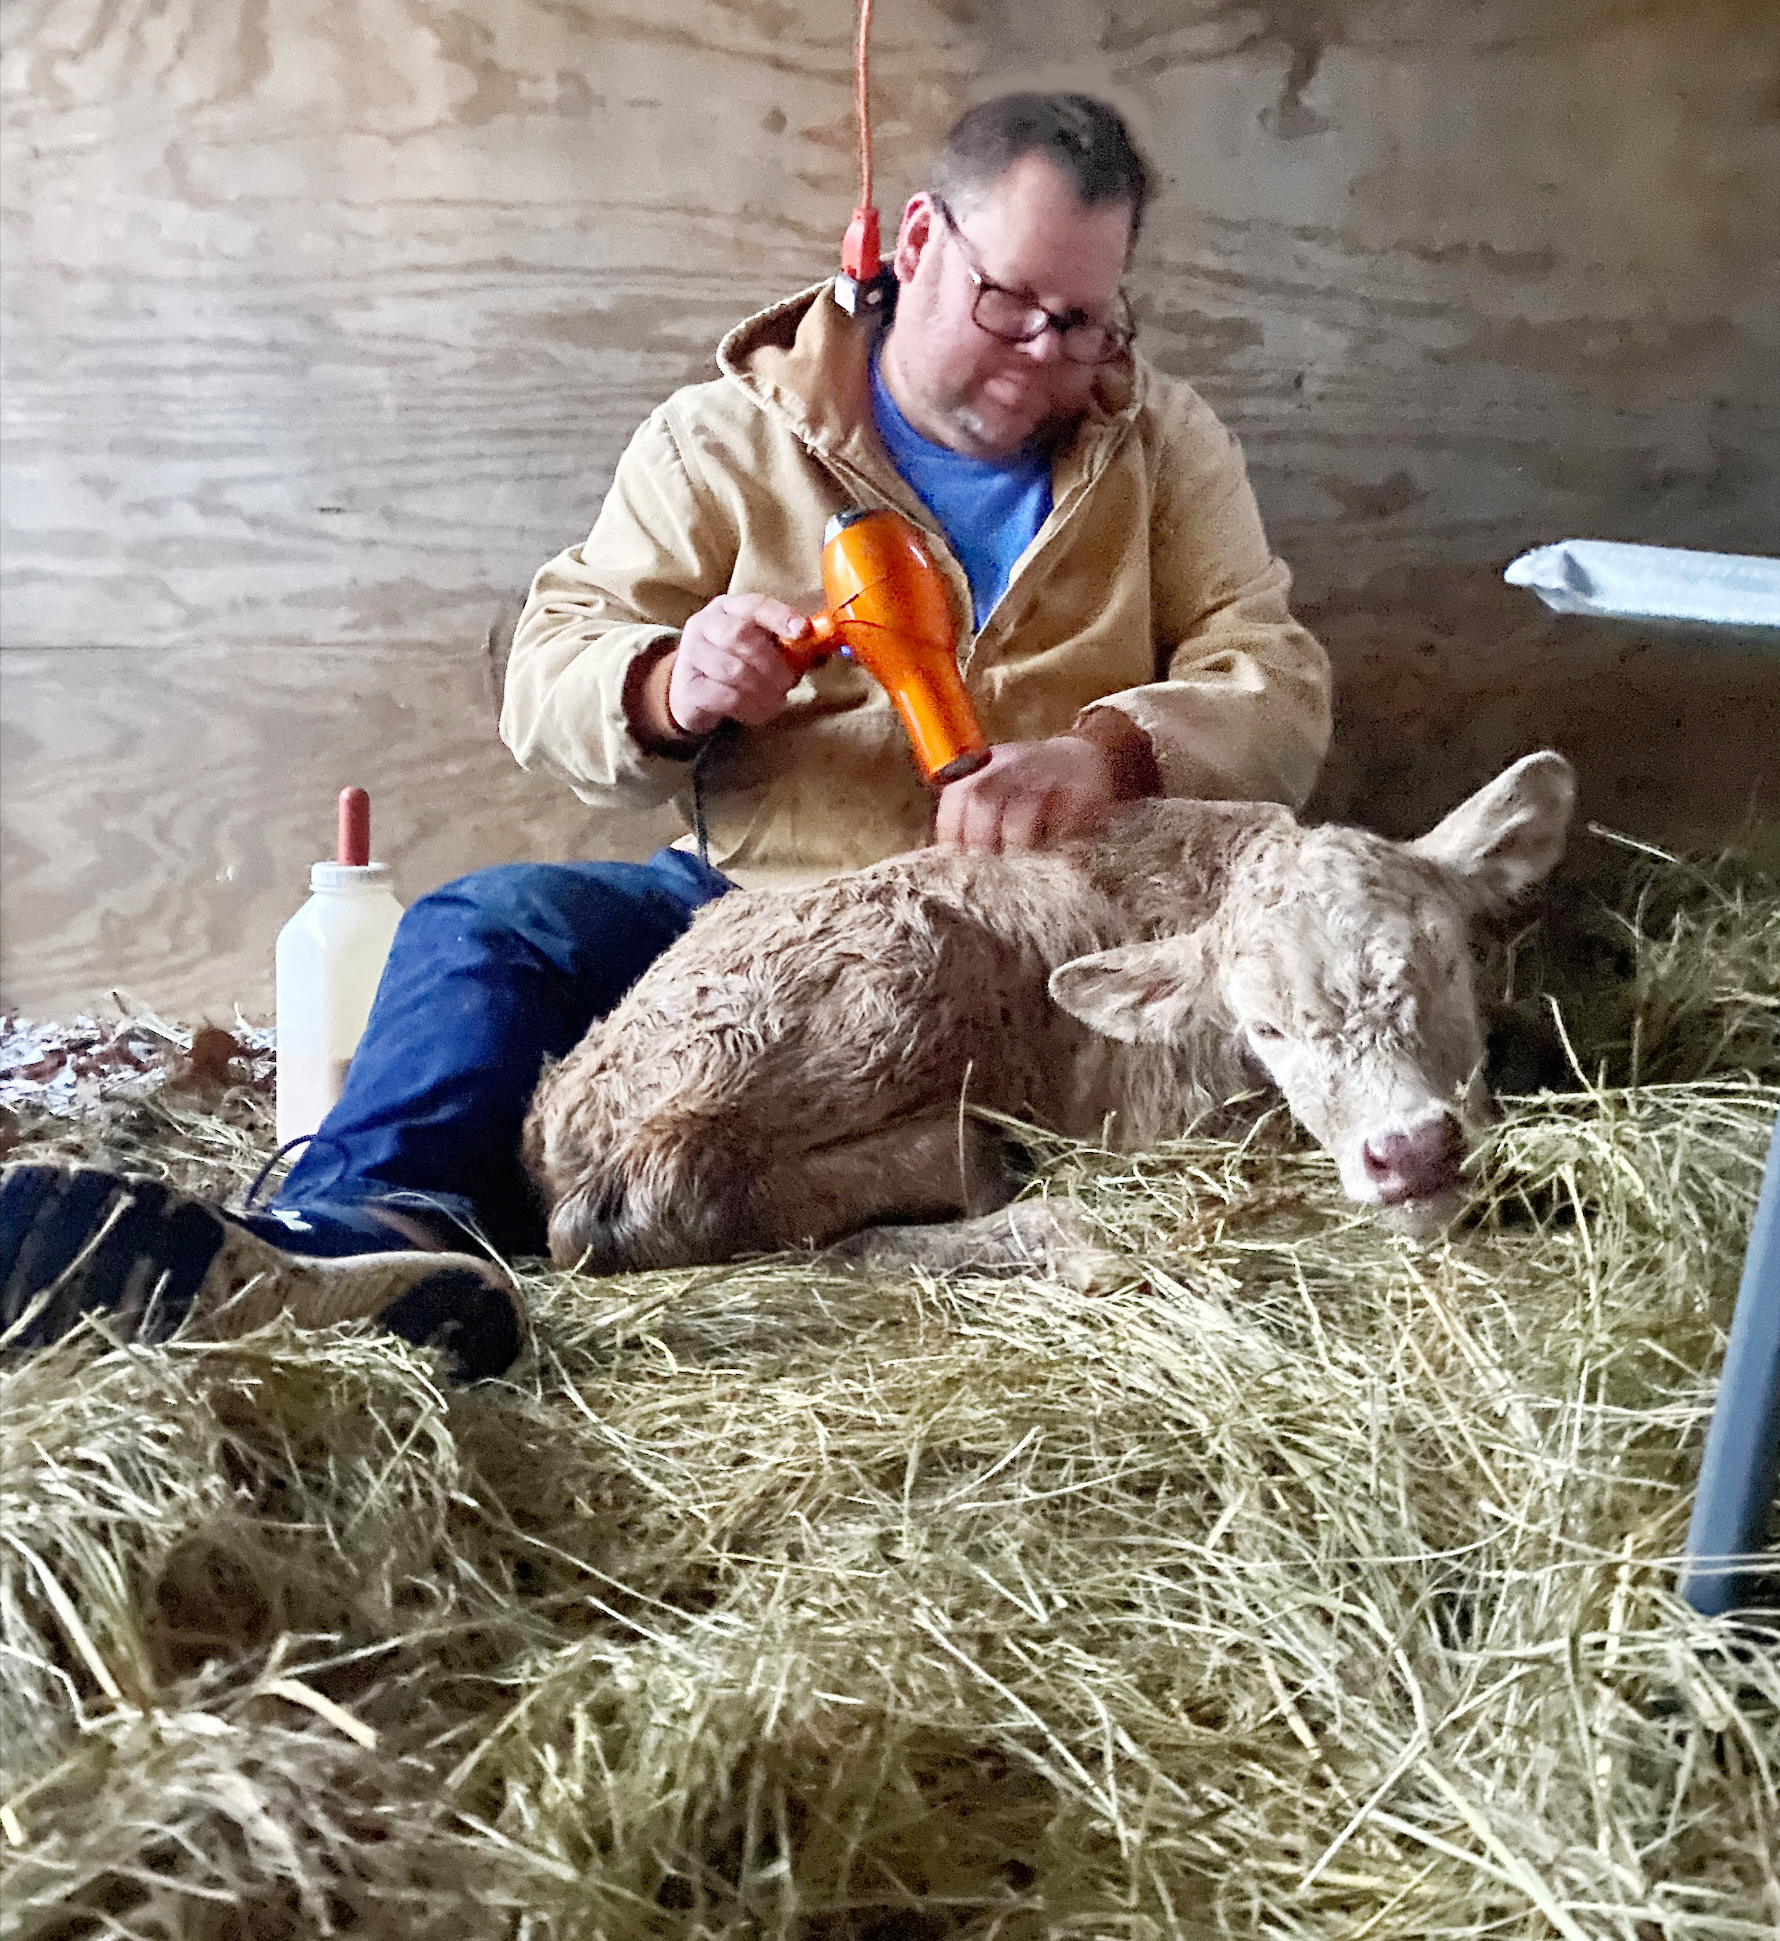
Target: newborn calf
[{"x": 800, "y": 1064}]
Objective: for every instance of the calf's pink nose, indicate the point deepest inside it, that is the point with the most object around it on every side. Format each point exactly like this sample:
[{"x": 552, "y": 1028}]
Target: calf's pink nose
[{"x": 1413, "y": 1161}]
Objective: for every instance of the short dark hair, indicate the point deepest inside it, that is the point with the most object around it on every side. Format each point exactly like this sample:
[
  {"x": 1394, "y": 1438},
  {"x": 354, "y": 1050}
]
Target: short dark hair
[{"x": 1083, "y": 137}]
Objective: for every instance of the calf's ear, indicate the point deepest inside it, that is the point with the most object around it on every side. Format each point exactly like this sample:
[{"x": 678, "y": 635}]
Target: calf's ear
[
  {"x": 1510, "y": 834},
  {"x": 1144, "y": 994}
]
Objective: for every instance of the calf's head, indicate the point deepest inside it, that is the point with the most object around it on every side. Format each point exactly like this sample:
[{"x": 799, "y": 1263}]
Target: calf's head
[{"x": 1339, "y": 964}]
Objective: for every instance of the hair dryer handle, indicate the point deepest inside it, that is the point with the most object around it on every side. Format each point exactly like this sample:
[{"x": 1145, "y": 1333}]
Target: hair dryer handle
[{"x": 811, "y": 649}]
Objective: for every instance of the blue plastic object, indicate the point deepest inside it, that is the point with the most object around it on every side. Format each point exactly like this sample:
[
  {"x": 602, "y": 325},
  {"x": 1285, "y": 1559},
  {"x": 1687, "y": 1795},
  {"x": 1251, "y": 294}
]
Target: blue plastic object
[{"x": 1742, "y": 1461}]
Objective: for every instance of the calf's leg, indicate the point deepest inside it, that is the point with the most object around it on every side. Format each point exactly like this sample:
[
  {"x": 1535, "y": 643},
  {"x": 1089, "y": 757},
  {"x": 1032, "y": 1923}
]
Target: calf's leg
[
  {"x": 1049, "y": 1238},
  {"x": 938, "y": 1165}
]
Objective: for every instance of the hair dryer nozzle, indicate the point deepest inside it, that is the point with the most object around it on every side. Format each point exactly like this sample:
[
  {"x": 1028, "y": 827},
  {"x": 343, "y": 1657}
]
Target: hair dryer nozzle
[{"x": 961, "y": 765}]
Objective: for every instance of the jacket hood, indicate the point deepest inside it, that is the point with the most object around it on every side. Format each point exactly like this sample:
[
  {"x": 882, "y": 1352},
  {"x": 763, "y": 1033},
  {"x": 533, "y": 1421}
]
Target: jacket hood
[{"x": 807, "y": 362}]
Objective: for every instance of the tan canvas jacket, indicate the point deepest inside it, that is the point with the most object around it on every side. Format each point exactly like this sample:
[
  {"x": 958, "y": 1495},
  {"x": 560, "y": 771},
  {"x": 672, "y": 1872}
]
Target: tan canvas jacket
[{"x": 1150, "y": 589}]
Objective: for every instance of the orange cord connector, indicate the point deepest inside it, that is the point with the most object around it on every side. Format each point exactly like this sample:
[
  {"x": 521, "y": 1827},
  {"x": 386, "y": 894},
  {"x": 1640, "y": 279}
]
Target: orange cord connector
[{"x": 863, "y": 282}]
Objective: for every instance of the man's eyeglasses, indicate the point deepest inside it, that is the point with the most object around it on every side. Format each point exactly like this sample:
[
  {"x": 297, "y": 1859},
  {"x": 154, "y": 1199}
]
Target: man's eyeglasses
[{"x": 1015, "y": 318}]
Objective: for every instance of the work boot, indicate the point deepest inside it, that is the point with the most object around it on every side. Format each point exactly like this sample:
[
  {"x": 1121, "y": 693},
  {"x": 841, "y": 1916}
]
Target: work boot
[{"x": 78, "y": 1240}]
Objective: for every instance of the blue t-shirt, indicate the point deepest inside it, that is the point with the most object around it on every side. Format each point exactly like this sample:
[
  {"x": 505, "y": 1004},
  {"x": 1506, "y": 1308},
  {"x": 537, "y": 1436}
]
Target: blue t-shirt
[{"x": 990, "y": 509}]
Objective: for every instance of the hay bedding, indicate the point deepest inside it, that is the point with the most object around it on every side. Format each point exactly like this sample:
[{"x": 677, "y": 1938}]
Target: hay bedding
[{"x": 1294, "y": 1583}]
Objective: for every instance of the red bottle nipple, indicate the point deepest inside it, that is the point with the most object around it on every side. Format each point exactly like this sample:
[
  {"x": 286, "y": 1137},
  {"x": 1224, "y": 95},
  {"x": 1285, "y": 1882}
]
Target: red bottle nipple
[{"x": 353, "y": 844}]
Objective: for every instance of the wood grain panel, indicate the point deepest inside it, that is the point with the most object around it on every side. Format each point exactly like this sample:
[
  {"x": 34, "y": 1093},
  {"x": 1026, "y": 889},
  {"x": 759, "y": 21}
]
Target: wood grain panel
[
  {"x": 335, "y": 333},
  {"x": 1447, "y": 675},
  {"x": 176, "y": 799}
]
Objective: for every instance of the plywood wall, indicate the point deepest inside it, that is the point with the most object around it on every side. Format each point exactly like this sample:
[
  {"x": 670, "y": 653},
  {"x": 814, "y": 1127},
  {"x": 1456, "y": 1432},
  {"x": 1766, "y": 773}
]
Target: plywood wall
[{"x": 325, "y": 326}]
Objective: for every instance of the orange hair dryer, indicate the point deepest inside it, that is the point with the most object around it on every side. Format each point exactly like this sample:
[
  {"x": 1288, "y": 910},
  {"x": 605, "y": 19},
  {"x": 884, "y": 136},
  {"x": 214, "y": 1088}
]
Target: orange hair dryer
[{"x": 888, "y": 609}]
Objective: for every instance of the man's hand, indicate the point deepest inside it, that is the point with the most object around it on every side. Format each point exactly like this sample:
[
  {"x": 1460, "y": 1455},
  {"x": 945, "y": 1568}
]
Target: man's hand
[
  {"x": 1030, "y": 795},
  {"x": 729, "y": 666}
]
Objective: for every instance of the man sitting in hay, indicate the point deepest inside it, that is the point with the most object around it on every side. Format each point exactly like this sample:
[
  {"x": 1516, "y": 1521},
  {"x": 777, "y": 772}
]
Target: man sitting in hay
[{"x": 1131, "y": 638}]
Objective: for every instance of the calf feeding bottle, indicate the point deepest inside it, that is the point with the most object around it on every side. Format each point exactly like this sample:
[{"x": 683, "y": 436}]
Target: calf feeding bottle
[{"x": 329, "y": 958}]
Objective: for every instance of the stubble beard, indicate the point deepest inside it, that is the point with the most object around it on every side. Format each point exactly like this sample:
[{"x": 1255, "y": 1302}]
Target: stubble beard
[{"x": 1051, "y": 431}]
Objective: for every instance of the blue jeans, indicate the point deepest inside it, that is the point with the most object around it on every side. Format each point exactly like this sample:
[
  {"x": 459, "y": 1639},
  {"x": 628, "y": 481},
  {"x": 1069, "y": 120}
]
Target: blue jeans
[{"x": 487, "y": 978}]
